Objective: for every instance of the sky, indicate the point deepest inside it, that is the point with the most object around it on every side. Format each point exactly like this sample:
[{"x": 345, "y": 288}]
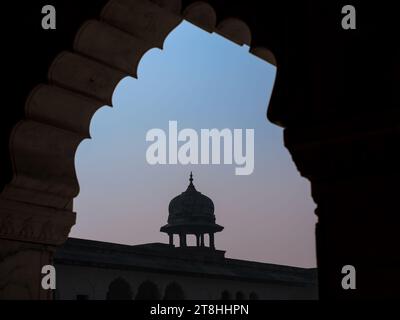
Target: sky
[{"x": 202, "y": 81}]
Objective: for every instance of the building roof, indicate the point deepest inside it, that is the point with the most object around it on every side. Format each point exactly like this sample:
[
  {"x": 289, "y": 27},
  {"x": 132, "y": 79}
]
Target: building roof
[{"x": 191, "y": 261}]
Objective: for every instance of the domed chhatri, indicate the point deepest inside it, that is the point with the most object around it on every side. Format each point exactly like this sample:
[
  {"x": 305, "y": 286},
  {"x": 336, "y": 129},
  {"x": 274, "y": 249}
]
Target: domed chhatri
[
  {"x": 191, "y": 207},
  {"x": 191, "y": 213}
]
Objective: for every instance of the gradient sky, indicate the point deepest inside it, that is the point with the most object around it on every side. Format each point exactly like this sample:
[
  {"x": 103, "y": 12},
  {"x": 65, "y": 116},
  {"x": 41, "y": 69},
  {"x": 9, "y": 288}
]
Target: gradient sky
[{"x": 200, "y": 80}]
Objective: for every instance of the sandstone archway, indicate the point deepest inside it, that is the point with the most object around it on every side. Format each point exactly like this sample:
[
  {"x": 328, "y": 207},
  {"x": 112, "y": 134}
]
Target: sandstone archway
[
  {"x": 341, "y": 128},
  {"x": 79, "y": 82},
  {"x": 39, "y": 198}
]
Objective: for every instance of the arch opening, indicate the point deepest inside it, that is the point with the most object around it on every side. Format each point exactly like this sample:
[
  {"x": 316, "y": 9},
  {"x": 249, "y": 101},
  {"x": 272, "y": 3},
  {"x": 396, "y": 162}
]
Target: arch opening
[
  {"x": 148, "y": 290},
  {"x": 174, "y": 291},
  {"x": 119, "y": 289},
  {"x": 165, "y": 88}
]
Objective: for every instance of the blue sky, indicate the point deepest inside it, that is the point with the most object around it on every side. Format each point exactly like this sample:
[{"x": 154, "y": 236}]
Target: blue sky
[{"x": 201, "y": 80}]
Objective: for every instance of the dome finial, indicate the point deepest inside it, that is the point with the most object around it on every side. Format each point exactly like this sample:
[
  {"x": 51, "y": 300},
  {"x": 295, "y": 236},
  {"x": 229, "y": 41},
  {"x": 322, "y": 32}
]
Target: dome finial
[{"x": 191, "y": 185}]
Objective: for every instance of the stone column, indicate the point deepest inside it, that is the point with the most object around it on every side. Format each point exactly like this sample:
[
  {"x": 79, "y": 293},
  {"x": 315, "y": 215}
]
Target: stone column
[
  {"x": 212, "y": 244},
  {"x": 29, "y": 236},
  {"x": 182, "y": 238},
  {"x": 354, "y": 179},
  {"x": 202, "y": 240}
]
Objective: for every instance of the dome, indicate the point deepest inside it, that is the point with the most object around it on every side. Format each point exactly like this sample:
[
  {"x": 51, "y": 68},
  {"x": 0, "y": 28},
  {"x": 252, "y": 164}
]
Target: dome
[
  {"x": 191, "y": 211},
  {"x": 191, "y": 206}
]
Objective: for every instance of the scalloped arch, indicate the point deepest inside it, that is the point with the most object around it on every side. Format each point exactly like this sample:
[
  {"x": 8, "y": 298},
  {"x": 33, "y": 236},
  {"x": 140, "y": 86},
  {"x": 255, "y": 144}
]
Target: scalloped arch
[
  {"x": 201, "y": 14},
  {"x": 235, "y": 30},
  {"x": 58, "y": 114}
]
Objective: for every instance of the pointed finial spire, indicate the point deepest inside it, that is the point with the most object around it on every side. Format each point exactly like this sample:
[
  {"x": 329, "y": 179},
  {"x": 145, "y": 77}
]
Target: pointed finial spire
[{"x": 191, "y": 186}]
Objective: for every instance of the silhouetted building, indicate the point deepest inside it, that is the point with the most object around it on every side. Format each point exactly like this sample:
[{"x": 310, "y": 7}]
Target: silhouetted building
[
  {"x": 89, "y": 269},
  {"x": 191, "y": 213}
]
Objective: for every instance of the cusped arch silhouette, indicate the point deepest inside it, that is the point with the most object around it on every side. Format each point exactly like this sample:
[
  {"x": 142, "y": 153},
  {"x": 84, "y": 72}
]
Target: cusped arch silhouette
[
  {"x": 58, "y": 114},
  {"x": 119, "y": 289},
  {"x": 38, "y": 201},
  {"x": 226, "y": 295},
  {"x": 148, "y": 290},
  {"x": 239, "y": 295},
  {"x": 173, "y": 291},
  {"x": 253, "y": 296}
]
